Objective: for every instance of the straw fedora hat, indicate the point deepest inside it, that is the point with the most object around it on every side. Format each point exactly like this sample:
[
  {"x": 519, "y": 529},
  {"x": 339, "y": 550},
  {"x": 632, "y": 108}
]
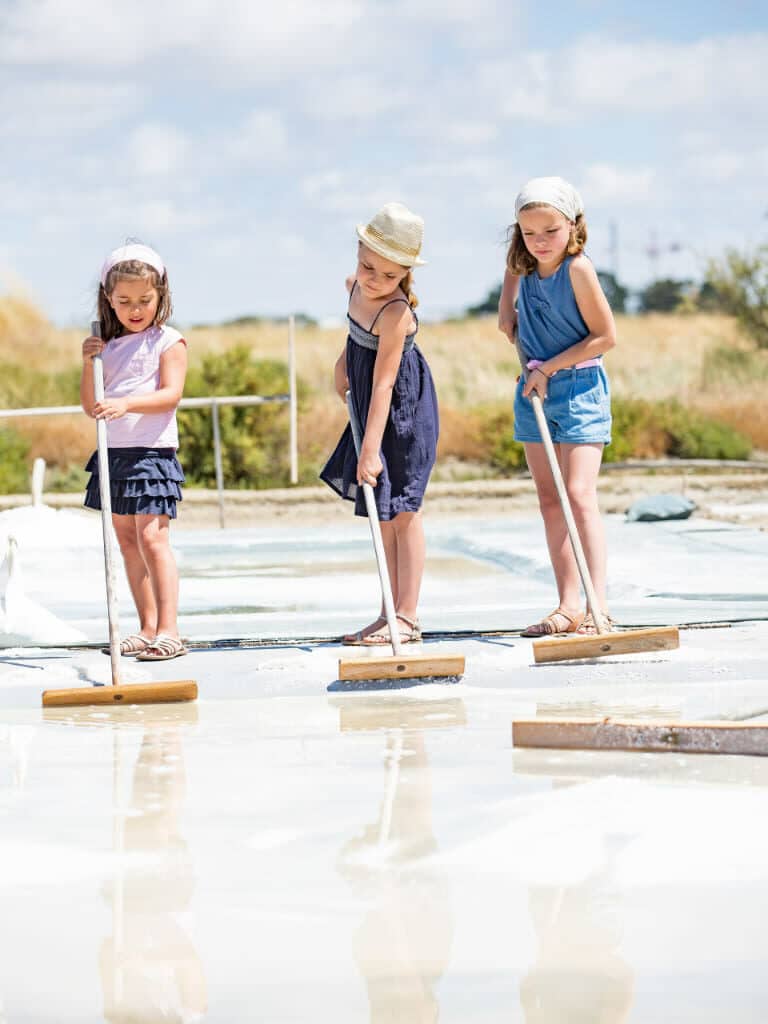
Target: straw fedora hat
[{"x": 396, "y": 234}]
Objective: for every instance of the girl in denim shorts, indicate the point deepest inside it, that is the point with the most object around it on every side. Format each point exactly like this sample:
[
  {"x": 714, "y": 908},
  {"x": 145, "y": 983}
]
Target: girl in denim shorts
[{"x": 552, "y": 297}]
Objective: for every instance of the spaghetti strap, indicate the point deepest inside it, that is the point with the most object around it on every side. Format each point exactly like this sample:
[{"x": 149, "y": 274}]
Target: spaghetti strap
[{"x": 390, "y": 303}]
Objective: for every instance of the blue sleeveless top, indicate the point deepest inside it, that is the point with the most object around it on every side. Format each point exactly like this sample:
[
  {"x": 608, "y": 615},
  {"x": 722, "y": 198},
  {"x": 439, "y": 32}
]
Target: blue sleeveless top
[{"x": 548, "y": 317}]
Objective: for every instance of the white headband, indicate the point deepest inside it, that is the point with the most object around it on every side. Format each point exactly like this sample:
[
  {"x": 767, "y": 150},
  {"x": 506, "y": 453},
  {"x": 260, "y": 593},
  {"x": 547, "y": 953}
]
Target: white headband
[
  {"x": 555, "y": 192},
  {"x": 143, "y": 253}
]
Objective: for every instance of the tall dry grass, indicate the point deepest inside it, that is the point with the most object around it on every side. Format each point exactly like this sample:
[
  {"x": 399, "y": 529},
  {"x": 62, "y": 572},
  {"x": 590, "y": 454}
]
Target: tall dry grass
[
  {"x": 702, "y": 359},
  {"x": 475, "y": 368}
]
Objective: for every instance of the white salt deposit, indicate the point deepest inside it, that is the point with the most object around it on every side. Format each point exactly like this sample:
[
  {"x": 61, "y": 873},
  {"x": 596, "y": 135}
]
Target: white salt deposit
[{"x": 22, "y": 619}]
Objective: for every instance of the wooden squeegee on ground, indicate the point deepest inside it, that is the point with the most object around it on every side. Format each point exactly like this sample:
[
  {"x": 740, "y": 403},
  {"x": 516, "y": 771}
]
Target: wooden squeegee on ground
[
  {"x": 118, "y": 693},
  {"x": 681, "y": 737},
  {"x": 604, "y": 641},
  {"x": 398, "y": 665}
]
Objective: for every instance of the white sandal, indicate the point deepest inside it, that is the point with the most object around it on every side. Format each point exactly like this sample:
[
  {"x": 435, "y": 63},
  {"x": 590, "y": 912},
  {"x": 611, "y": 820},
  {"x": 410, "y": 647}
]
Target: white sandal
[
  {"x": 162, "y": 648},
  {"x": 131, "y": 646}
]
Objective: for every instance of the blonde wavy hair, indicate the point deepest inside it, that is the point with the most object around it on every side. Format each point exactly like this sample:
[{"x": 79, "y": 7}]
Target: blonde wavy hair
[{"x": 406, "y": 286}]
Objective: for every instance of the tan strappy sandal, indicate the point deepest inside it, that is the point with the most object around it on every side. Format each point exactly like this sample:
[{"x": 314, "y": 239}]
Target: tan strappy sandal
[
  {"x": 410, "y": 633},
  {"x": 550, "y": 627},
  {"x": 358, "y": 638},
  {"x": 131, "y": 645},
  {"x": 163, "y": 648},
  {"x": 588, "y": 628}
]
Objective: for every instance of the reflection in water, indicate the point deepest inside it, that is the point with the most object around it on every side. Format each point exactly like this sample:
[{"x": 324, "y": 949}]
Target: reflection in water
[
  {"x": 150, "y": 970},
  {"x": 404, "y": 941},
  {"x": 579, "y": 976}
]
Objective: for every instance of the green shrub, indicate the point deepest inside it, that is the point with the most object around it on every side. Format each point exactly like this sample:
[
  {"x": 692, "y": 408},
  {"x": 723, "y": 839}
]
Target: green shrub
[
  {"x": 695, "y": 436},
  {"x": 66, "y": 480},
  {"x": 644, "y": 429},
  {"x": 14, "y": 470},
  {"x": 254, "y": 439},
  {"x": 641, "y": 429},
  {"x": 505, "y": 454}
]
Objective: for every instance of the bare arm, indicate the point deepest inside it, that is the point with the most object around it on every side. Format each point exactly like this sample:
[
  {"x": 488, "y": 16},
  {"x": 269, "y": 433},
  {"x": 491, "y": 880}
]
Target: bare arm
[
  {"x": 396, "y": 321},
  {"x": 340, "y": 379},
  {"x": 507, "y": 311},
  {"x": 597, "y": 315}
]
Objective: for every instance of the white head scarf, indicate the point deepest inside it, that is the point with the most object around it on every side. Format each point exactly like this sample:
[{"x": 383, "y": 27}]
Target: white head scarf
[
  {"x": 556, "y": 192},
  {"x": 134, "y": 251}
]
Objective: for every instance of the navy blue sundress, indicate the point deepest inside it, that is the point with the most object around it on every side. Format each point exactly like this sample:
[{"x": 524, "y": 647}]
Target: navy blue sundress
[{"x": 409, "y": 444}]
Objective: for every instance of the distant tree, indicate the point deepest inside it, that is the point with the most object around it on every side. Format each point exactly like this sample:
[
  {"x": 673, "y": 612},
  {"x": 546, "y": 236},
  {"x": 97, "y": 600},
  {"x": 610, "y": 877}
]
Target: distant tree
[
  {"x": 741, "y": 284},
  {"x": 708, "y": 298},
  {"x": 663, "y": 296},
  {"x": 490, "y": 303},
  {"x": 615, "y": 292}
]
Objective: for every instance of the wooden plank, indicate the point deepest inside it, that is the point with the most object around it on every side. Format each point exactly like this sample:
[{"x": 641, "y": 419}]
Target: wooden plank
[
  {"x": 415, "y": 666},
  {"x": 623, "y": 641},
  {"x": 129, "y": 693},
  {"x": 606, "y": 734}
]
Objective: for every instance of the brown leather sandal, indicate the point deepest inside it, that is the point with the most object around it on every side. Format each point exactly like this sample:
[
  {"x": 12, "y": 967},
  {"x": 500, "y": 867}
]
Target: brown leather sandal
[{"x": 550, "y": 627}]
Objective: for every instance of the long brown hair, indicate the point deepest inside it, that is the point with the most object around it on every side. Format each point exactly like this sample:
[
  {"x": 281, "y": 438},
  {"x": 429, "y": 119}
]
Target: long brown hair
[
  {"x": 522, "y": 262},
  {"x": 130, "y": 270}
]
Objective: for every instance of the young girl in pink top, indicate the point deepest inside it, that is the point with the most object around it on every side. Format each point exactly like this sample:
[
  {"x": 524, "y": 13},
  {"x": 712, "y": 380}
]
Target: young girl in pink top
[{"x": 145, "y": 363}]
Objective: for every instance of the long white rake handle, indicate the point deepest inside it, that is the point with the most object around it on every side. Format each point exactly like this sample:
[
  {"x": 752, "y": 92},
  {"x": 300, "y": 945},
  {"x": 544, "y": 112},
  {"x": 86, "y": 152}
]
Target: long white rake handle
[
  {"x": 106, "y": 514},
  {"x": 378, "y": 543},
  {"x": 562, "y": 493}
]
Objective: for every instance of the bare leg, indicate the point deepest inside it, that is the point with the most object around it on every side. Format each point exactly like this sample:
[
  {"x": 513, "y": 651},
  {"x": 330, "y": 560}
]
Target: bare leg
[
  {"x": 411, "y": 553},
  {"x": 154, "y": 542},
  {"x": 138, "y": 576},
  {"x": 581, "y": 466},
  {"x": 564, "y": 565}
]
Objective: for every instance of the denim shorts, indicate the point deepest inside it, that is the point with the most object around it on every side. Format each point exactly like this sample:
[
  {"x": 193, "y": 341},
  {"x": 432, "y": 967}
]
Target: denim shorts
[{"x": 577, "y": 408}]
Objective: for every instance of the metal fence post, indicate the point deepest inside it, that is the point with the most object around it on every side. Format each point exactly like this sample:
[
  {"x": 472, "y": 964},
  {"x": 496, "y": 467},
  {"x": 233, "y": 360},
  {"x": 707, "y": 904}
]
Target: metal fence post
[
  {"x": 217, "y": 459},
  {"x": 293, "y": 430}
]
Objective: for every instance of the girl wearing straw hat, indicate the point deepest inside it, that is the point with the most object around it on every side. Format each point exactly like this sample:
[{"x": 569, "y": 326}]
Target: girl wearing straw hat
[{"x": 394, "y": 399}]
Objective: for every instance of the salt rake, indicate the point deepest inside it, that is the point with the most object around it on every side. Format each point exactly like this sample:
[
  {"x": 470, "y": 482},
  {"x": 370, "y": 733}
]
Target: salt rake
[
  {"x": 118, "y": 693},
  {"x": 397, "y": 665},
  {"x": 604, "y": 641}
]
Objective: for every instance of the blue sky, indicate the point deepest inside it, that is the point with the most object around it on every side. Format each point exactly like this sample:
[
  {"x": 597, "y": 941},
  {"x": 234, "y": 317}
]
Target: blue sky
[{"x": 245, "y": 140}]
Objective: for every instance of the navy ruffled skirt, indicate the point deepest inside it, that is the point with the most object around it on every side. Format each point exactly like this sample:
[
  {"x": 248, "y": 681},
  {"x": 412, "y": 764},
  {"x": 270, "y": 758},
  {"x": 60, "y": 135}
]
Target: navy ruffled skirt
[{"x": 142, "y": 481}]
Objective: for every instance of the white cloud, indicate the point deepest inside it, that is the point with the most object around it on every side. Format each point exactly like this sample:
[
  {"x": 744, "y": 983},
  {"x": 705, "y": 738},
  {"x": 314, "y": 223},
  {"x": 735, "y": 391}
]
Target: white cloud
[
  {"x": 157, "y": 150},
  {"x": 597, "y": 74},
  {"x": 607, "y": 183},
  {"x": 95, "y": 34},
  {"x": 259, "y": 139},
  {"x": 654, "y": 76},
  {"x": 470, "y": 132},
  {"x": 35, "y": 108}
]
